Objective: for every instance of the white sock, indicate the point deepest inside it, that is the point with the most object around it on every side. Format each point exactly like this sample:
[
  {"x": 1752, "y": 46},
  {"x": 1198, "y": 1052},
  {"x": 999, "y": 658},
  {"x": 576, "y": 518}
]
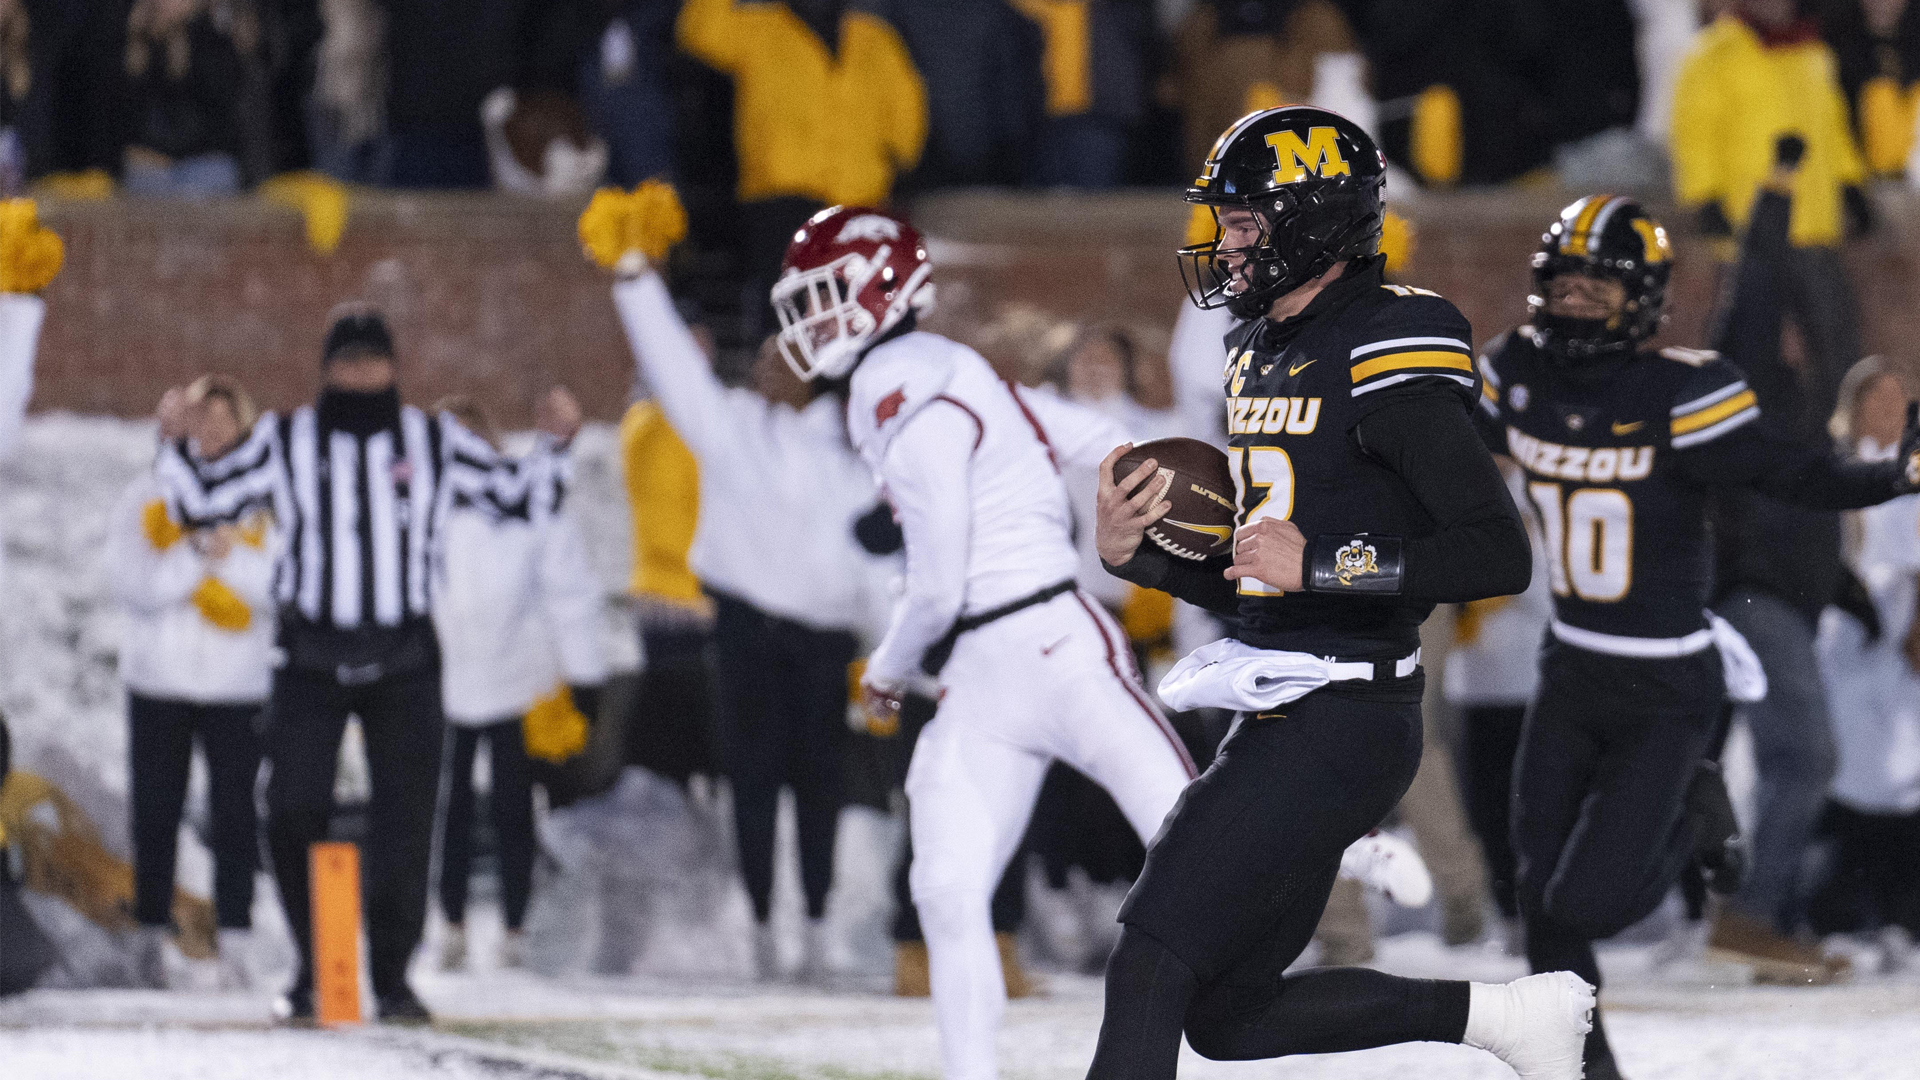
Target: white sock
[{"x": 1490, "y": 1009}]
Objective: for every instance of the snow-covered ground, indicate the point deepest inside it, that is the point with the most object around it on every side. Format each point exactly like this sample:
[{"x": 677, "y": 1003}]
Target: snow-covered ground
[{"x": 1679, "y": 1021}]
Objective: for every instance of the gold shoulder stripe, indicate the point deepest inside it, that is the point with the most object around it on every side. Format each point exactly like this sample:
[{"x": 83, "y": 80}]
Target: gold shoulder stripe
[
  {"x": 1714, "y": 413},
  {"x": 1401, "y": 360}
]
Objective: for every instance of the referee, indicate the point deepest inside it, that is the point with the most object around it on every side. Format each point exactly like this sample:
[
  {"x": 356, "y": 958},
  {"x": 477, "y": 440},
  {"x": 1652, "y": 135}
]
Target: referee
[{"x": 359, "y": 484}]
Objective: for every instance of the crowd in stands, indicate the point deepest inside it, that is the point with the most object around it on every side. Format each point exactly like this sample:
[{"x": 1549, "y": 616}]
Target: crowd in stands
[{"x": 836, "y": 100}]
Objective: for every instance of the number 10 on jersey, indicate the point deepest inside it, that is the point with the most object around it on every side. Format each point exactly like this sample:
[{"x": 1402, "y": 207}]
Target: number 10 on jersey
[
  {"x": 1262, "y": 488},
  {"x": 1589, "y": 538}
]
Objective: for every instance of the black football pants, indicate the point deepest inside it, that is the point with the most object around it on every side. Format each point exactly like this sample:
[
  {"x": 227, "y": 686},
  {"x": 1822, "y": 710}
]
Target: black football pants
[
  {"x": 161, "y": 732},
  {"x": 783, "y": 723},
  {"x": 670, "y": 728},
  {"x": 1600, "y": 830},
  {"x": 1490, "y": 738},
  {"x": 1235, "y": 884},
  {"x": 401, "y": 719},
  {"x": 510, "y": 805}
]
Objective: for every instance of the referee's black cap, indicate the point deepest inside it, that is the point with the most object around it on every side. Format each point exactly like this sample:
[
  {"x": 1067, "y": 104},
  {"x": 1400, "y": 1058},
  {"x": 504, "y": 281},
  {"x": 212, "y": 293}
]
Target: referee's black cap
[{"x": 356, "y": 330}]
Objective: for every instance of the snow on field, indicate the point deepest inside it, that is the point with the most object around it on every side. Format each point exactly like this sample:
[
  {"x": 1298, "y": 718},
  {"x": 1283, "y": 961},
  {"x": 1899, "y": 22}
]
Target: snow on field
[{"x": 1677, "y": 1022}]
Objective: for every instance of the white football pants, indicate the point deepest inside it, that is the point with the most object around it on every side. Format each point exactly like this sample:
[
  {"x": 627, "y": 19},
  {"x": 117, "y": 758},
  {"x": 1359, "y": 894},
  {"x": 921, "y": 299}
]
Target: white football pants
[{"x": 1054, "y": 681}]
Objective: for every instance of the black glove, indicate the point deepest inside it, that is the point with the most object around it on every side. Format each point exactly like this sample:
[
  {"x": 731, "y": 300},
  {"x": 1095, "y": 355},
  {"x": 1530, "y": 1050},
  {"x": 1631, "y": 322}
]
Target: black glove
[
  {"x": 586, "y": 699},
  {"x": 1909, "y": 456},
  {"x": 1852, "y": 598},
  {"x": 877, "y": 532},
  {"x": 1712, "y": 221},
  {"x": 1861, "y": 219},
  {"x": 1788, "y": 150}
]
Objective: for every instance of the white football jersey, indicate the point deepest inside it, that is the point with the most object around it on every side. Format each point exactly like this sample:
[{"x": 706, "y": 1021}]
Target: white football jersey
[{"x": 972, "y": 466}]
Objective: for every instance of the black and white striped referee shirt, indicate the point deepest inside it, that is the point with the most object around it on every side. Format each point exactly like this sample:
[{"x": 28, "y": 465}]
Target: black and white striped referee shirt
[{"x": 361, "y": 513}]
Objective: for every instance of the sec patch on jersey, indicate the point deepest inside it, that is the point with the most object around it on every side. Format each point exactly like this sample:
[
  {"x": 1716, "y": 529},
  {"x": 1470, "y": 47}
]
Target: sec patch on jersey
[{"x": 1194, "y": 477}]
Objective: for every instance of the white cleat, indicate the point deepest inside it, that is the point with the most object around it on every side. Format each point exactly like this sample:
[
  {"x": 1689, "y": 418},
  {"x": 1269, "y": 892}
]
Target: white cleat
[
  {"x": 513, "y": 949},
  {"x": 1389, "y": 864},
  {"x": 1538, "y": 1025},
  {"x": 766, "y": 953},
  {"x": 453, "y": 949},
  {"x": 813, "y": 954},
  {"x": 235, "y": 949}
]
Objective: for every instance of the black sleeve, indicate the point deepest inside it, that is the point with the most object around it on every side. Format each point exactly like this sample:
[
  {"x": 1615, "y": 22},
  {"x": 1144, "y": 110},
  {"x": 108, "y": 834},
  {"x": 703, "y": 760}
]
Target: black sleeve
[
  {"x": 1479, "y": 546},
  {"x": 1748, "y": 323},
  {"x": 1760, "y": 457},
  {"x": 1493, "y": 435},
  {"x": 1201, "y": 584}
]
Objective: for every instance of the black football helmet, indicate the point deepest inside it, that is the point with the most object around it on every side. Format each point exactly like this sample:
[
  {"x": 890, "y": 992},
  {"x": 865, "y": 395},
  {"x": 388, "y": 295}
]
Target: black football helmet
[
  {"x": 1602, "y": 236},
  {"x": 1315, "y": 182}
]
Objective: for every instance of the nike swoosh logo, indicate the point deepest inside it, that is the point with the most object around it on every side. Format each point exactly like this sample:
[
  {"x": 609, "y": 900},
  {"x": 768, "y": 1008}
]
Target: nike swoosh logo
[
  {"x": 1628, "y": 429},
  {"x": 1295, "y": 369},
  {"x": 1047, "y": 650}
]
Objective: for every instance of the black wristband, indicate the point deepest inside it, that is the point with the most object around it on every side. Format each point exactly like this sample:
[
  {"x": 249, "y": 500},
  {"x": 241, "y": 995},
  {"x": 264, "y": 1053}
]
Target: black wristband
[{"x": 1356, "y": 563}]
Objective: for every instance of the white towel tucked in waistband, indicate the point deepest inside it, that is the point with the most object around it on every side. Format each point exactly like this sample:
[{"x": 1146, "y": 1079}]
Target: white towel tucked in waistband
[
  {"x": 1746, "y": 679},
  {"x": 1231, "y": 674}
]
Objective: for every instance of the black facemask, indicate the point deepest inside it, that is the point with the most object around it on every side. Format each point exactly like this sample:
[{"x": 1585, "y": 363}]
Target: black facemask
[{"x": 359, "y": 412}]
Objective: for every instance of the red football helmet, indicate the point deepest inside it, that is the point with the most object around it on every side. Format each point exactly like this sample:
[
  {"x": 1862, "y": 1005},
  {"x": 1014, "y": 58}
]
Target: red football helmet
[{"x": 850, "y": 275}]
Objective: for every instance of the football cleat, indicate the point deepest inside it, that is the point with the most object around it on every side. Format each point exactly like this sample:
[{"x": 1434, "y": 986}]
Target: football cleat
[{"x": 1538, "y": 1025}]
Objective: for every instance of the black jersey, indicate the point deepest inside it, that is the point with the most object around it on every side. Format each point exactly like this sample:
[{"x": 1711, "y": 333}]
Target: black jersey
[
  {"x": 1619, "y": 457},
  {"x": 1295, "y": 392}
]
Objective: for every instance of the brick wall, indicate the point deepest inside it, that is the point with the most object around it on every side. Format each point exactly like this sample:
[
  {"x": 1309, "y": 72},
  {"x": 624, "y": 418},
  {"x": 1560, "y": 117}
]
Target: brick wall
[{"x": 489, "y": 296}]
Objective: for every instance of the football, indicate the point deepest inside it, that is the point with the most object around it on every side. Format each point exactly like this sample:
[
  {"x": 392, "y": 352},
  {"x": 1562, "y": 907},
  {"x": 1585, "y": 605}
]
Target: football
[{"x": 1194, "y": 477}]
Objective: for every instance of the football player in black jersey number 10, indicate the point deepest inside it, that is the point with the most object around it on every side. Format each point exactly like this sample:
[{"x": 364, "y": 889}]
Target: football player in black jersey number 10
[
  {"x": 1364, "y": 498},
  {"x": 1621, "y": 446}
]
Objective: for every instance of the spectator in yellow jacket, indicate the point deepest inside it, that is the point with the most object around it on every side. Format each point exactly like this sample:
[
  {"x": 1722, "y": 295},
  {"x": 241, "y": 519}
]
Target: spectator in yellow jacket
[
  {"x": 671, "y": 728},
  {"x": 1877, "y": 44},
  {"x": 1754, "y": 74},
  {"x": 828, "y": 108}
]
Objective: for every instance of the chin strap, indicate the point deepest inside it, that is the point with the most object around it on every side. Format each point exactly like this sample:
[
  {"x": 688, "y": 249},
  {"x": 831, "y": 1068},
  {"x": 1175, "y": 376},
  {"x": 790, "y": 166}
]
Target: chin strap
[{"x": 1356, "y": 563}]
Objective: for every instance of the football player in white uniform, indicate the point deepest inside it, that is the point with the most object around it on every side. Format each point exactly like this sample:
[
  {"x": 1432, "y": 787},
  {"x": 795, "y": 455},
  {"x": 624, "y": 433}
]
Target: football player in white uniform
[{"x": 1027, "y": 668}]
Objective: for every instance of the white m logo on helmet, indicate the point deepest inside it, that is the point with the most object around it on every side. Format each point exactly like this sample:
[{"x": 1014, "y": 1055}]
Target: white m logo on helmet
[{"x": 869, "y": 227}]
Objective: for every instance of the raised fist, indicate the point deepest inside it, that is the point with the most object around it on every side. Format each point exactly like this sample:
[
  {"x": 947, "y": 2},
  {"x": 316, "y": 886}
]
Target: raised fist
[
  {"x": 172, "y": 413},
  {"x": 558, "y": 414}
]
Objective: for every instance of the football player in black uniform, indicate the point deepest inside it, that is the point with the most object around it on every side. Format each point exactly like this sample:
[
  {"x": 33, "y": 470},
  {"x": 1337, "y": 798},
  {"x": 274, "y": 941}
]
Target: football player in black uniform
[
  {"x": 1364, "y": 497},
  {"x": 1620, "y": 446}
]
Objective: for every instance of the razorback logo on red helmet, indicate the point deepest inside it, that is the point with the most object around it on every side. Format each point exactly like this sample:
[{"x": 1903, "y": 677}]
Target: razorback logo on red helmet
[
  {"x": 875, "y": 227},
  {"x": 889, "y": 406}
]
